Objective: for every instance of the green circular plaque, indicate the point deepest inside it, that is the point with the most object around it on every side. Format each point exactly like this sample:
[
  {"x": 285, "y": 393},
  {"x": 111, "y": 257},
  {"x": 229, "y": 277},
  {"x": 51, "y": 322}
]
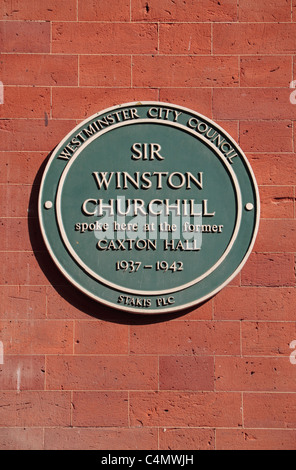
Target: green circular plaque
[{"x": 149, "y": 207}]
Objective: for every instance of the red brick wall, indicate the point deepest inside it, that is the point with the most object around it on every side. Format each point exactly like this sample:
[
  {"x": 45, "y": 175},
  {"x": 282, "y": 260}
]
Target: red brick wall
[{"x": 79, "y": 375}]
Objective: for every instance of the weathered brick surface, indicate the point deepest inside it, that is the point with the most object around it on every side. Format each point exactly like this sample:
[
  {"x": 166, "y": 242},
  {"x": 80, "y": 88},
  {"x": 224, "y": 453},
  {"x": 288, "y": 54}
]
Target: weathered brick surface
[
  {"x": 104, "y": 70},
  {"x": 185, "y": 338},
  {"x": 37, "y": 336},
  {"x": 21, "y": 438},
  {"x": 38, "y": 10},
  {"x": 93, "y": 337},
  {"x": 186, "y": 439},
  {"x": 251, "y": 303},
  {"x": 185, "y": 409},
  {"x": 193, "y": 98},
  {"x": 81, "y": 102},
  {"x": 23, "y": 373},
  {"x": 100, "y": 409},
  {"x": 34, "y": 408},
  {"x": 100, "y": 438},
  {"x": 168, "y": 10},
  {"x": 241, "y": 103},
  {"x": 127, "y": 38},
  {"x": 88, "y": 10},
  {"x": 101, "y": 373},
  {"x": 79, "y": 375},
  {"x": 265, "y": 71},
  {"x": 267, "y": 338},
  {"x": 266, "y": 136},
  {"x": 185, "y": 38},
  {"x": 265, "y": 10},
  {"x": 264, "y": 269},
  {"x": 22, "y": 302},
  {"x": 254, "y": 374},
  {"x": 273, "y": 169},
  {"x": 269, "y": 410},
  {"x": 277, "y": 202},
  {"x": 20, "y": 36},
  {"x": 26, "y": 102},
  {"x": 254, "y": 38},
  {"x": 255, "y": 439},
  {"x": 186, "y": 373},
  {"x": 283, "y": 233},
  {"x": 151, "y": 71},
  {"x": 39, "y": 69}
]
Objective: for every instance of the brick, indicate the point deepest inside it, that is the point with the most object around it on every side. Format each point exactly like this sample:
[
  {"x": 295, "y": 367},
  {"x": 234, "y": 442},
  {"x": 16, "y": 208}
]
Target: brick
[
  {"x": 185, "y": 38},
  {"x": 127, "y": 38},
  {"x": 34, "y": 408},
  {"x": 20, "y": 167},
  {"x": 251, "y": 303},
  {"x": 185, "y": 338},
  {"x": 22, "y": 373},
  {"x": 88, "y": 10},
  {"x": 283, "y": 236},
  {"x": 43, "y": 136},
  {"x": 97, "y": 337},
  {"x": 15, "y": 237},
  {"x": 232, "y": 127},
  {"x": 100, "y": 409},
  {"x": 83, "y": 102},
  {"x": 186, "y": 373},
  {"x": 277, "y": 202},
  {"x": 25, "y": 102},
  {"x": 254, "y": 374},
  {"x": 37, "y": 336},
  {"x": 18, "y": 200},
  {"x": 152, "y": 71},
  {"x": 21, "y": 439},
  {"x": 199, "y": 312},
  {"x": 18, "y": 36},
  {"x": 199, "y": 99},
  {"x": 101, "y": 373},
  {"x": 265, "y": 11},
  {"x": 110, "y": 71},
  {"x": 20, "y": 268},
  {"x": 186, "y": 439},
  {"x": 266, "y": 136},
  {"x": 254, "y": 38},
  {"x": 268, "y": 339},
  {"x": 185, "y": 409},
  {"x": 266, "y": 71},
  {"x": 22, "y": 302},
  {"x": 45, "y": 273},
  {"x": 273, "y": 169},
  {"x": 38, "y": 10},
  {"x": 67, "y": 302},
  {"x": 39, "y": 69},
  {"x": 23, "y": 237},
  {"x": 100, "y": 439},
  {"x": 168, "y": 10},
  {"x": 263, "y": 269},
  {"x": 270, "y": 410},
  {"x": 254, "y": 103},
  {"x": 255, "y": 439}
]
